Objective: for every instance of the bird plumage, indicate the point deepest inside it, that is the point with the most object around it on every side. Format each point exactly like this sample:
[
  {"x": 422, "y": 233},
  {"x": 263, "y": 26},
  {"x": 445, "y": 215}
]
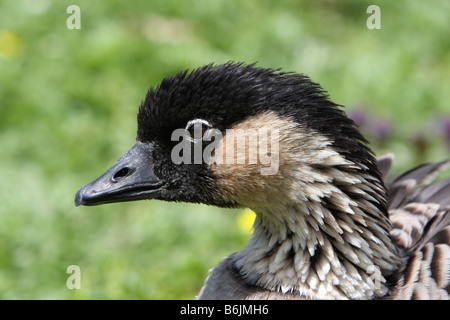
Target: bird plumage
[
  {"x": 421, "y": 231},
  {"x": 326, "y": 226},
  {"x": 418, "y": 209}
]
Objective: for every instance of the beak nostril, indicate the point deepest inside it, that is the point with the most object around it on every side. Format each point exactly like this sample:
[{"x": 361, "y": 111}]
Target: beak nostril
[{"x": 121, "y": 174}]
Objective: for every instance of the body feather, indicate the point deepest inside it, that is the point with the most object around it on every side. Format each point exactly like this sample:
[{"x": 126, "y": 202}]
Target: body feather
[{"x": 419, "y": 213}]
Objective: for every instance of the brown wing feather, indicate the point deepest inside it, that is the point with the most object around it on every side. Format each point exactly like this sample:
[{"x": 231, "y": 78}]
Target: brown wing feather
[
  {"x": 384, "y": 164},
  {"x": 419, "y": 212},
  {"x": 403, "y": 188}
]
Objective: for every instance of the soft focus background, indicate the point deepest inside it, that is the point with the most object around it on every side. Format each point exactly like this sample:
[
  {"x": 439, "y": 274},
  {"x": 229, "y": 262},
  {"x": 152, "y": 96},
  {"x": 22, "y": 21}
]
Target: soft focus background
[{"x": 68, "y": 105}]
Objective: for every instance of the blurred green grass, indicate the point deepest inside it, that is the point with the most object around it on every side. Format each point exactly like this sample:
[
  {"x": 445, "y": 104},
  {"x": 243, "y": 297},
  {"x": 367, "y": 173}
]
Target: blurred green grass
[{"x": 68, "y": 104}]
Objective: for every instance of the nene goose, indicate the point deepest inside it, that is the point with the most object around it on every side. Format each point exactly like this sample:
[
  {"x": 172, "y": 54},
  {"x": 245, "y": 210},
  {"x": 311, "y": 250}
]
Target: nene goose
[{"x": 326, "y": 226}]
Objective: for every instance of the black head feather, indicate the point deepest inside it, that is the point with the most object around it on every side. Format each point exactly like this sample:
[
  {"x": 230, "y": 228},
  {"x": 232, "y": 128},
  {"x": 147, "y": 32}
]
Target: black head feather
[{"x": 226, "y": 94}]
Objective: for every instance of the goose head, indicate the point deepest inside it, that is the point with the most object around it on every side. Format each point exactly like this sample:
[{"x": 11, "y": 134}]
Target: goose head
[{"x": 236, "y": 135}]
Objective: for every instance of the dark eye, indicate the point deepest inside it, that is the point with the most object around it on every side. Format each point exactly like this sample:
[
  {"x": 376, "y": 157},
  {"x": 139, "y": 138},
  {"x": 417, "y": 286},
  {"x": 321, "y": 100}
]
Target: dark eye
[{"x": 196, "y": 129}]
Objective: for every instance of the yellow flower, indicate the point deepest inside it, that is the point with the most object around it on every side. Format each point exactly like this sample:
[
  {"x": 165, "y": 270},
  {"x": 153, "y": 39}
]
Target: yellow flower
[
  {"x": 10, "y": 44},
  {"x": 245, "y": 220}
]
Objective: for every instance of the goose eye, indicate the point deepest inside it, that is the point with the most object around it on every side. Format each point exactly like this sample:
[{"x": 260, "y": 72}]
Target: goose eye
[{"x": 197, "y": 129}]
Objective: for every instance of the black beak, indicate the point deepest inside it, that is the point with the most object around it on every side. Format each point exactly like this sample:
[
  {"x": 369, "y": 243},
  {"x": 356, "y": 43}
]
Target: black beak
[{"x": 130, "y": 178}]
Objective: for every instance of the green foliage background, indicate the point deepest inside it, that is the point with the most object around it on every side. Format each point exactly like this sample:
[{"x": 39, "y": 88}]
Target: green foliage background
[{"x": 68, "y": 104}]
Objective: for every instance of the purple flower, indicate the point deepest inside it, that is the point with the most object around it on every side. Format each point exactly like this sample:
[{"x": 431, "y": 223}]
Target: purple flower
[
  {"x": 381, "y": 130},
  {"x": 359, "y": 116}
]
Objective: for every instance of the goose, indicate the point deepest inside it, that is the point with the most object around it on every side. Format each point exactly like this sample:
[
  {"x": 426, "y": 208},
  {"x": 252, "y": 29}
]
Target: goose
[{"x": 327, "y": 226}]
